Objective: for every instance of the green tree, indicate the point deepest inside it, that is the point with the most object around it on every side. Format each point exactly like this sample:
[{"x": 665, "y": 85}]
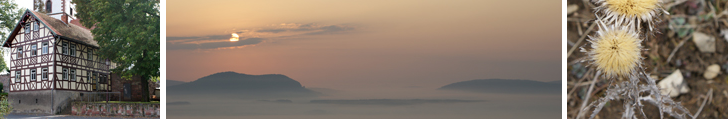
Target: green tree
[
  {"x": 5, "y": 106},
  {"x": 39, "y": 6},
  {"x": 128, "y": 33},
  {"x": 9, "y": 16}
]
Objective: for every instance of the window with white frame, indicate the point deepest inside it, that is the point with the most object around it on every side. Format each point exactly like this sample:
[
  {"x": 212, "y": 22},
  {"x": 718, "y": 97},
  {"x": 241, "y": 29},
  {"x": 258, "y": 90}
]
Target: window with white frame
[
  {"x": 34, "y": 50},
  {"x": 103, "y": 78},
  {"x": 64, "y": 47},
  {"x": 90, "y": 54},
  {"x": 73, "y": 75},
  {"x": 45, "y": 48},
  {"x": 48, "y": 6},
  {"x": 32, "y": 75},
  {"x": 88, "y": 76},
  {"x": 20, "y": 52},
  {"x": 65, "y": 74},
  {"x": 72, "y": 51},
  {"x": 44, "y": 75},
  {"x": 17, "y": 76},
  {"x": 96, "y": 77},
  {"x": 35, "y": 26},
  {"x": 27, "y": 27}
]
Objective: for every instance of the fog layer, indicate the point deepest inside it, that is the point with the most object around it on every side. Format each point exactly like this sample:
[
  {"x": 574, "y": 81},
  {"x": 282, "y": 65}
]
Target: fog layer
[{"x": 400, "y": 103}]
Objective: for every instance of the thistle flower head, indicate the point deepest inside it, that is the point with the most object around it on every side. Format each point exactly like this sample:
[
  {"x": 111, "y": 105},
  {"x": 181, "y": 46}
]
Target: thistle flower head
[
  {"x": 615, "y": 51},
  {"x": 630, "y": 12}
]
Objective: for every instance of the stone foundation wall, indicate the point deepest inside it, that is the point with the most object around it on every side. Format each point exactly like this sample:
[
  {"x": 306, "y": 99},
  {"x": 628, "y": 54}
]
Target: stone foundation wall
[
  {"x": 42, "y": 102},
  {"x": 135, "y": 84},
  {"x": 115, "y": 109}
]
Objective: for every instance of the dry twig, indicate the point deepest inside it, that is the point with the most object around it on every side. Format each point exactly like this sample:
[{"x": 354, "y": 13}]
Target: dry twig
[
  {"x": 669, "y": 58},
  {"x": 588, "y": 30},
  {"x": 710, "y": 97},
  {"x": 588, "y": 94}
]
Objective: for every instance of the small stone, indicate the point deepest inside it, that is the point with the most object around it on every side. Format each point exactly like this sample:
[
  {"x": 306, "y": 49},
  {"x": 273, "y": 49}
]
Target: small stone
[
  {"x": 673, "y": 85},
  {"x": 712, "y": 71},
  {"x": 705, "y": 42}
]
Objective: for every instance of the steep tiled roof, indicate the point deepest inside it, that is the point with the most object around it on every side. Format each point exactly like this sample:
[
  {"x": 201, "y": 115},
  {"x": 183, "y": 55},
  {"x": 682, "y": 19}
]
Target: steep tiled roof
[
  {"x": 67, "y": 31},
  {"x": 77, "y": 22}
]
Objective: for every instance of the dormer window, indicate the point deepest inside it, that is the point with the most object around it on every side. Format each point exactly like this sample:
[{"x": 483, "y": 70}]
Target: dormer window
[{"x": 48, "y": 6}]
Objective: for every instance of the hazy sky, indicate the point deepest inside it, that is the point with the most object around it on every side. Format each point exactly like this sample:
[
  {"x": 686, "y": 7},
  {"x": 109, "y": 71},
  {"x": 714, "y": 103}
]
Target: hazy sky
[{"x": 366, "y": 43}]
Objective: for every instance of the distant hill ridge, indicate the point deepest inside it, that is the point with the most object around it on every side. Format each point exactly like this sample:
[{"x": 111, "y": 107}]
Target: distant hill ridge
[
  {"x": 507, "y": 86},
  {"x": 232, "y": 83},
  {"x": 174, "y": 82}
]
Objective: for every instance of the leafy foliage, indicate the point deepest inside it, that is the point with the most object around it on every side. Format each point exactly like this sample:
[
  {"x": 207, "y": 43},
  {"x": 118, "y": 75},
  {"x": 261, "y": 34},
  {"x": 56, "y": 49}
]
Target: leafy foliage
[
  {"x": 5, "y": 106},
  {"x": 128, "y": 35},
  {"x": 9, "y": 16},
  {"x": 39, "y": 6}
]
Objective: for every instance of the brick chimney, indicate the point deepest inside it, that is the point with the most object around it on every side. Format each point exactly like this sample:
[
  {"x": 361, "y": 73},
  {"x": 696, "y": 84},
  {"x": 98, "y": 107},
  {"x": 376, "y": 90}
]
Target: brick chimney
[{"x": 64, "y": 18}]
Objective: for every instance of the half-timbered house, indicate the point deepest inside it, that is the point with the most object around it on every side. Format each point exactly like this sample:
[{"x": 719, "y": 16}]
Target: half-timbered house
[{"x": 52, "y": 62}]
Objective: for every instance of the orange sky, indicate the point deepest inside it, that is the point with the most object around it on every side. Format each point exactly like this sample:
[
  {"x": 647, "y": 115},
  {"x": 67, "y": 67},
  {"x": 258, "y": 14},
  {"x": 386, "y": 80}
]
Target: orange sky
[{"x": 366, "y": 43}]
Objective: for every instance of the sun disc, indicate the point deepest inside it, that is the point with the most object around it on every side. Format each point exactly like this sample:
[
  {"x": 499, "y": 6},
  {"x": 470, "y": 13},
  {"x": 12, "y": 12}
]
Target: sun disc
[{"x": 235, "y": 37}]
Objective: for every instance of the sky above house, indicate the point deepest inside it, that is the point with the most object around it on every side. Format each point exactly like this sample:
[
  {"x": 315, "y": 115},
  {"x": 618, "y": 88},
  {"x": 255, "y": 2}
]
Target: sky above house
[{"x": 366, "y": 43}]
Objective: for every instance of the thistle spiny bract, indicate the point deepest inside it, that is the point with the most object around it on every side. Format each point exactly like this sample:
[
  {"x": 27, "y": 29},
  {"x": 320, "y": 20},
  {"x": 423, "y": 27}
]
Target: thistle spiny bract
[
  {"x": 630, "y": 13},
  {"x": 615, "y": 50}
]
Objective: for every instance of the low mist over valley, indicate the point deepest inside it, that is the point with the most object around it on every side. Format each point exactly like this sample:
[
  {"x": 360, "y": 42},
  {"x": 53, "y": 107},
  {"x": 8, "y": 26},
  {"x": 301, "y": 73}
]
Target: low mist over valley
[
  {"x": 506, "y": 86},
  {"x": 236, "y": 95}
]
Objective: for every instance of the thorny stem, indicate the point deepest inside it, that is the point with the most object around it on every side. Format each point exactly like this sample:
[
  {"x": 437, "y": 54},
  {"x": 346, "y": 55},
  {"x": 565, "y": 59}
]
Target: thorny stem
[
  {"x": 654, "y": 90},
  {"x": 629, "y": 92},
  {"x": 588, "y": 94}
]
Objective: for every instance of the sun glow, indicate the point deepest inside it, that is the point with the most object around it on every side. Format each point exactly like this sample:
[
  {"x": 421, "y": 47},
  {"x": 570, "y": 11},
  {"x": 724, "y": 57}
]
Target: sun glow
[{"x": 235, "y": 37}]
